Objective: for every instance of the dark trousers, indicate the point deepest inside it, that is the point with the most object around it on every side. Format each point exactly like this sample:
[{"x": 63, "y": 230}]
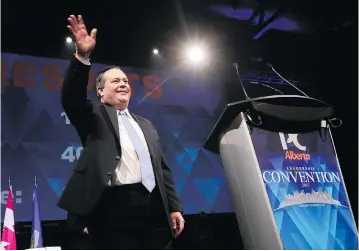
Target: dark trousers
[{"x": 129, "y": 217}]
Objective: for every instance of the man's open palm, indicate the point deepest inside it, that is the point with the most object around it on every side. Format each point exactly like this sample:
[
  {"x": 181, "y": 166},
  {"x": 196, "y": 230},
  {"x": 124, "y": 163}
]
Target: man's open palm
[{"x": 85, "y": 43}]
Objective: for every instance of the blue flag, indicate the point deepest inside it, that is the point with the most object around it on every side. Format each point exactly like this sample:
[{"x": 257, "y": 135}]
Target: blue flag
[{"x": 36, "y": 233}]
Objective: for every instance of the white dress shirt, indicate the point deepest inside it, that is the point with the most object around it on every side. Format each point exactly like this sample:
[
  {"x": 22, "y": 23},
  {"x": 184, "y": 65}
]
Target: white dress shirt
[{"x": 128, "y": 170}]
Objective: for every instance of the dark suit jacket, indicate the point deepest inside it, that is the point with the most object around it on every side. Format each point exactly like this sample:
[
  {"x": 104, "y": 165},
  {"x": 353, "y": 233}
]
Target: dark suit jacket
[{"x": 97, "y": 127}]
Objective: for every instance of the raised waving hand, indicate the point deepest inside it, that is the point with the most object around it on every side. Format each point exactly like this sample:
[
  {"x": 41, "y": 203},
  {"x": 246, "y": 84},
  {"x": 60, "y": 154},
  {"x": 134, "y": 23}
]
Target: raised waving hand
[{"x": 85, "y": 43}]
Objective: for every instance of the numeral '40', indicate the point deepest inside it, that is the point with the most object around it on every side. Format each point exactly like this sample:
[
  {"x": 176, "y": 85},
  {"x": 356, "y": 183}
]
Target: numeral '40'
[{"x": 71, "y": 153}]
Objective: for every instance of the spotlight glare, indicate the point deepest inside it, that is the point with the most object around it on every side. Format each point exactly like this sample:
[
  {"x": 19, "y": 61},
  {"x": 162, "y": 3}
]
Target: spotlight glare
[
  {"x": 155, "y": 51},
  {"x": 68, "y": 40},
  {"x": 195, "y": 54}
]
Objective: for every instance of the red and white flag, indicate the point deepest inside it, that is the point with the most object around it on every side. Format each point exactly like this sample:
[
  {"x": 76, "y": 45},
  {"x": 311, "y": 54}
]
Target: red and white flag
[{"x": 8, "y": 237}]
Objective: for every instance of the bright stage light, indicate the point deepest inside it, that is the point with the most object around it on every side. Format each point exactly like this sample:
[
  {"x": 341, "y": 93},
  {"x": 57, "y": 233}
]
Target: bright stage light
[
  {"x": 195, "y": 54},
  {"x": 68, "y": 40},
  {"x": 155, "y": 51}
]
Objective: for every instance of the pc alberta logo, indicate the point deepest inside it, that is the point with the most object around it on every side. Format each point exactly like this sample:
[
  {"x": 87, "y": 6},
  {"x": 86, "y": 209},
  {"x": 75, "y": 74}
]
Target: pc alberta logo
[{"x": 293, "y": 154}]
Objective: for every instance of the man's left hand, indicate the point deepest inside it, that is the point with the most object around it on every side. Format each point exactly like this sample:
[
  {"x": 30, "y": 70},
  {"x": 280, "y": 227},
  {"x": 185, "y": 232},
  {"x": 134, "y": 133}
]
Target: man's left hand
[{"x": 177, "y": 223}]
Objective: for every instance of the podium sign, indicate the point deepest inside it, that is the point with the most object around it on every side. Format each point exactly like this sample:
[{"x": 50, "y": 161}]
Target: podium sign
[
  {"x": 305, "y": 189},
  {"x": 287, "y": 190}
]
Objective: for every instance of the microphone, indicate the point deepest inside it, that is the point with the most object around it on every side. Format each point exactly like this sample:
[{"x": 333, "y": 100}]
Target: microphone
[
  {"x": 257, "y": 83},
  {"x": 248, "y": 112},
  {"x": 235, "y": 65},
  {"x": 272, "y": 68}
]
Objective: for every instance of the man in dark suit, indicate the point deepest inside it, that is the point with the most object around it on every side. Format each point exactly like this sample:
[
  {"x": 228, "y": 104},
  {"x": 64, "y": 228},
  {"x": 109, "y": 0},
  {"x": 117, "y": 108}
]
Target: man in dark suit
[{"x": 121, "y": 191}]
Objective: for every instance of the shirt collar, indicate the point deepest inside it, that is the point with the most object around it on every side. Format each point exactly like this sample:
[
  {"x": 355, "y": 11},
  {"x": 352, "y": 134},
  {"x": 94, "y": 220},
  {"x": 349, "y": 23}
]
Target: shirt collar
[{"x": 125, "y": 111}]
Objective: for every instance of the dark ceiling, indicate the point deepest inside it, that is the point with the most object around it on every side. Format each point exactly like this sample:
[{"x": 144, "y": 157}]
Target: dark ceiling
[{"x": 128, "y": 30}]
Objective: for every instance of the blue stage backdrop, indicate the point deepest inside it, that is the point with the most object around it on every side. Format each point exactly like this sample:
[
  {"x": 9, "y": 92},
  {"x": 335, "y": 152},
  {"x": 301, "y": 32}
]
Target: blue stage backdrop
[
  {"x": 38, "y": 140},
  {"x": 306, "y": 190}
]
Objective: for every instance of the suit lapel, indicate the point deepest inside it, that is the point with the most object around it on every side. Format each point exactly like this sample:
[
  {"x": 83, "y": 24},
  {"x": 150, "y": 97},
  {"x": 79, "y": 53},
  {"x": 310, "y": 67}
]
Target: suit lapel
[{"x": 112, "y": 116}]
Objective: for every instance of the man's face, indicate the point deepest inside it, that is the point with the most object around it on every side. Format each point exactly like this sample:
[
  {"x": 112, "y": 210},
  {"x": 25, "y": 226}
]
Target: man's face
[{"x": 116, "y": 91}]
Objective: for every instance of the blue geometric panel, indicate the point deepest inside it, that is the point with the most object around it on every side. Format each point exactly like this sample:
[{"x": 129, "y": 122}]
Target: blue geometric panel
[
  {"x": 193, "y": 200},
  {"x": 221, "y": 198},
  {"x": 56, "y": 184},
  {"x": 192, "y": 153},
  {"x": 180, "y": 184},
  {"x": 203, "y": 167},
  {"x": 209, "y": 187}
]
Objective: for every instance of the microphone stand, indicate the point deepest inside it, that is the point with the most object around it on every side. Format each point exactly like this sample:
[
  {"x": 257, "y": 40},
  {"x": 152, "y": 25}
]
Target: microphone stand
[
  {"x": 270, "y": 87},
  {"x": 272, "y": 68},
  {"x": 235, "y": 65},
  {"x": 248, "y": 112}
]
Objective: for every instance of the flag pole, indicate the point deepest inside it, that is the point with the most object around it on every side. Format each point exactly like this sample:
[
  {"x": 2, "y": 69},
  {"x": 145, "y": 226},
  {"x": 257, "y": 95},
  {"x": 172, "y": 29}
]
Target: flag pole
[
  {"x": 8, "y": 236},
  {"x": 36, "y": 232}
]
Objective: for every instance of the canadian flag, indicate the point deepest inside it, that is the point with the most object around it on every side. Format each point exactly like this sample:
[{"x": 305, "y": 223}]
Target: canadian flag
[{"x": 8, "y": 238}]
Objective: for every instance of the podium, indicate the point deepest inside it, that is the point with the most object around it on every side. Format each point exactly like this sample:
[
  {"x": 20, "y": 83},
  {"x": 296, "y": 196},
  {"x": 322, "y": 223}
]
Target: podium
[{"x": 283, "y": 174}]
